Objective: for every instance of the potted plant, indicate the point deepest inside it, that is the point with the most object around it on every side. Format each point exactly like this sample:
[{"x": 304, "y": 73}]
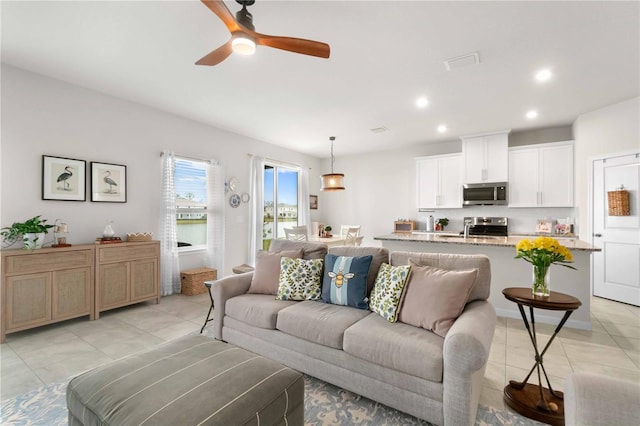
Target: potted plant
[
  {"x": 327, "y": 230},
  {"x": 31, "y": 232},
  {"x": 443, "y": 221}
]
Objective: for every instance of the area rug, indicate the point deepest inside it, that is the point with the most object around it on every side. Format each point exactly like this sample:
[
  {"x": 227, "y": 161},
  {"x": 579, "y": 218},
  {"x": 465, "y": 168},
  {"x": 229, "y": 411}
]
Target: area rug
[{"x": 324, "y": 404}]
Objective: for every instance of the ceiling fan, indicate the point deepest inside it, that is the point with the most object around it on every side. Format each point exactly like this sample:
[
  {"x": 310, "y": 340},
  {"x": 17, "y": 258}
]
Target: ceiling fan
[{"x": 244, "y": 38}]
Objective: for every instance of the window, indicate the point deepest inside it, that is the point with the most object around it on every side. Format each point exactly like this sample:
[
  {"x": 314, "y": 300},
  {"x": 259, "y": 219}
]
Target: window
[
  {"x": 280, "y": 201},
  {"x": 190, "y": 177}
]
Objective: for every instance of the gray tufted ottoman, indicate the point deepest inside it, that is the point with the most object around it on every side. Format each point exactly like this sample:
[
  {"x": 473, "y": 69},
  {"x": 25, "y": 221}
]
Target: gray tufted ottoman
[{"x": 190, "y": 381}]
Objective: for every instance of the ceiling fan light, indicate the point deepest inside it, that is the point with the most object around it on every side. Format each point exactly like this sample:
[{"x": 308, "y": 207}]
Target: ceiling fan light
[
  {"x": 332, "y": 182},
  {"x": 243, "y": 45}
]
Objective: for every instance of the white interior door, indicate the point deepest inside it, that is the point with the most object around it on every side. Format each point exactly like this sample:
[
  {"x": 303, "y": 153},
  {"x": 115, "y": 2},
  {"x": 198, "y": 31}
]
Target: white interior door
[{"x": 616, "y": 269}]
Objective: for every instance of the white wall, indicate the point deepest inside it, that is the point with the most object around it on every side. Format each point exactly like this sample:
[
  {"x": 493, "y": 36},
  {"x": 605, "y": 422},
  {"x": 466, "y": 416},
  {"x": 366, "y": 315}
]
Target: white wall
[
  {"x": 45, "y": 116},
  {"x": 610, "y": 130}
]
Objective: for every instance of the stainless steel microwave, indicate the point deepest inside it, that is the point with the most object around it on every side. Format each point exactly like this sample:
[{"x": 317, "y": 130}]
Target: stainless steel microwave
[{"x": 484, "y": 194}]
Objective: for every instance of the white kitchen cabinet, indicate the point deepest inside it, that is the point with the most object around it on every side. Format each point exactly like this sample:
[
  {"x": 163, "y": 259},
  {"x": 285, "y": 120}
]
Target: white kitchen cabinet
[
  {"x": 541, "y": 175},
  {"x": 486, "y": 157},
  {"x": 439, "y": 181}
]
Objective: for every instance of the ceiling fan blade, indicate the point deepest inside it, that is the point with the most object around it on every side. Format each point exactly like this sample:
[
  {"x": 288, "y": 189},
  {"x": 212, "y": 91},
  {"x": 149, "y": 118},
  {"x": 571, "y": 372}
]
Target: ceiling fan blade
[
  {"x": 297, "y": 45},
  {"x": 216, "y": 56},
  {"x": 218, "y": 7}
]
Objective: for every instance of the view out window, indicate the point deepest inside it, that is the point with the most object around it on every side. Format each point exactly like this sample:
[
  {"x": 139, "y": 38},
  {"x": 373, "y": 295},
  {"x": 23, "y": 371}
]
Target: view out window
[
  {"x": 280, "y": 202},
  {"x": 190, "y": 178}
]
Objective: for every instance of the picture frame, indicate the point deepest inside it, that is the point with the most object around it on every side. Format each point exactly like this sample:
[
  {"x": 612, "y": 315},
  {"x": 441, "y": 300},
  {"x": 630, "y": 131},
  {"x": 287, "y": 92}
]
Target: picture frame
[
  {"x": 63, "y": 179},
  {"x": 108, "y": 182},
  {"x": 313, "y": 202}
]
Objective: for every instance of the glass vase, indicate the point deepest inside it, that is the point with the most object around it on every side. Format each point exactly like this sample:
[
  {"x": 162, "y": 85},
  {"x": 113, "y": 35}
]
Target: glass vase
[
  {"x": 108, "y": 230},
  {"x": 541, "y": 280}
]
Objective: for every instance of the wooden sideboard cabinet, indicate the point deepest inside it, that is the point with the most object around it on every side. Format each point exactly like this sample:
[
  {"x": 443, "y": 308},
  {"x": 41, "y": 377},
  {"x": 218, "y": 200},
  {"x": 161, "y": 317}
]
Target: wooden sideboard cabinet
[
  {"x": 46, "y": 285},
  {"x": 126, "y": 273}
]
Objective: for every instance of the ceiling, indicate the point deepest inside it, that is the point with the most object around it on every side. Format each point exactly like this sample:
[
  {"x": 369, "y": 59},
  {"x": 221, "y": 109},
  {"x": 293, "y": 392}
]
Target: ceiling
[{"x": 384, "y": 54}]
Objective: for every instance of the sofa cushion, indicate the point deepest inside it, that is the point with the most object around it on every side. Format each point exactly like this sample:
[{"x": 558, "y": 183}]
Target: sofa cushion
[
  {"x": 435, "y": 297},
  {"x": 318, "y": 322},
  {"x": 379, "y": 256},
  {"x": 309, "y": 250},
  {"x": 398, "y": 346},
  {"x": 345, "y": 280},
  {"x": 258, "y": 310},
  {"x": 388, "y": 290},
  {"x": 482, "y": 286},
  {"x": 300, "y": 279},
  {"x": 267, "y": 273}
]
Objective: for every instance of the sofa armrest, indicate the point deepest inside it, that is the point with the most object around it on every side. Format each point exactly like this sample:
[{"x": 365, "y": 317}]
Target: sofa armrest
[
  {"x": 465, "y": 353},
  {"x": 223, "y": 290},
  {"x": 600, "y": 400}
]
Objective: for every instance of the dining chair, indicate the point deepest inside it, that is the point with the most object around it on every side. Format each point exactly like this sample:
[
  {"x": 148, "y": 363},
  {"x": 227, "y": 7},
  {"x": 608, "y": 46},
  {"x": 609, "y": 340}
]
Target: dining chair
[
  {"x": 296, "y": 234},
  {"x": 351, "y": 236},
  {"x": 345, "y": 228}
]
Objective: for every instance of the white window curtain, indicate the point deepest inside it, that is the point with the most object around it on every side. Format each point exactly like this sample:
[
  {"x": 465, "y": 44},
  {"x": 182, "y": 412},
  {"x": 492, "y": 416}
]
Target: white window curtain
[
  {"x": 170, "y": 274},
  {"x": 304, "y": 213},
  {"x": 257, "y": 207},
  {"x": 215, "y": 216}
]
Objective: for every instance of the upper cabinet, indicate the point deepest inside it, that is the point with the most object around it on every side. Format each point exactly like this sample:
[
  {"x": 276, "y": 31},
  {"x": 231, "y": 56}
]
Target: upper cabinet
[
  {"x": 486, "y": 157},
  {"x": 439, "y": 181},
  {"x": 541, "y": 175}
]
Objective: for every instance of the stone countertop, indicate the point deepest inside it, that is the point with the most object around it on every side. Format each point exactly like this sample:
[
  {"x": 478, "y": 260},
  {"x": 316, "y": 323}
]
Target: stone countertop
[{"x": 451, "y": 238}]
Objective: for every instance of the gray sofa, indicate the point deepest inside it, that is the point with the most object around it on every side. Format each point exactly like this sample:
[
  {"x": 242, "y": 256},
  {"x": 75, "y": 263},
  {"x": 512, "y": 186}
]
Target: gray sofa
[
  {"x": 598, "y": 400},
  {"x": 405, "y": 367}
]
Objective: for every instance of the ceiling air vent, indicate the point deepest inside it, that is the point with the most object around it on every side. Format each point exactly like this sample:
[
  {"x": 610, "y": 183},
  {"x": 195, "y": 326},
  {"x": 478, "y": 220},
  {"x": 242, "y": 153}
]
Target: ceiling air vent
[
  {"x": 381, "y": 129},
  {"x": 462, "y": 61}
]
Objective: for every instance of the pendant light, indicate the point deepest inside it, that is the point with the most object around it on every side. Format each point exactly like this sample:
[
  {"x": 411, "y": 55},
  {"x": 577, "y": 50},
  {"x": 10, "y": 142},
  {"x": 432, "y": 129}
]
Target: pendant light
[{"x": 332, "y": 181}]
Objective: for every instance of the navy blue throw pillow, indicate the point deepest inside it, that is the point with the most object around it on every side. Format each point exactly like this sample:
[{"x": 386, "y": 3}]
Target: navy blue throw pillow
[{"x": 345, "y": 280}]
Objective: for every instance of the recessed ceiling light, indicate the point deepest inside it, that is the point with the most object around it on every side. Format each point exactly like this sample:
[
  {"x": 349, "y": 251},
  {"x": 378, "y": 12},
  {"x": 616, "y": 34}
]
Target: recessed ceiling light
[
  {"x": 422, "y": 102},
  {"x": 442, "y": 128},
  {"x": 543, "y": 75},
  {"x": 532, "y": 114}
]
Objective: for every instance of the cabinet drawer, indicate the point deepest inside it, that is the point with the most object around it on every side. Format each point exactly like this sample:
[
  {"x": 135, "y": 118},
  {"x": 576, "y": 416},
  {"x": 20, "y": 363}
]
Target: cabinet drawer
[
  {"x": 40, "y": 262},
  {"x": 127, "y": 252}
]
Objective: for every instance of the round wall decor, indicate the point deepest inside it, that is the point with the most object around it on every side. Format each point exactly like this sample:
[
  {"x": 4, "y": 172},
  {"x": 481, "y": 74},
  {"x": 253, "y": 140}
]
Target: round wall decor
[
  {"x": 233, "y": 184},
  {"x": 234, "y": 201}
]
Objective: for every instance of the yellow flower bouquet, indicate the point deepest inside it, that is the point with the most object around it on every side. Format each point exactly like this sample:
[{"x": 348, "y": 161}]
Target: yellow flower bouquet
[{"x": 542, "y": 253}]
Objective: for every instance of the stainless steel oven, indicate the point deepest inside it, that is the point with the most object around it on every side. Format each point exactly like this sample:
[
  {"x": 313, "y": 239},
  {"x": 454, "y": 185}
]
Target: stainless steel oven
[
  {"x": 486, "y": 226},
  {"x": 484, "y": 194}
]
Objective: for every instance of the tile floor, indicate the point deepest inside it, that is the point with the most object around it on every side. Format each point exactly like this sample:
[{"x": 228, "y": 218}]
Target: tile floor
[{"x": 36, "y": 357}]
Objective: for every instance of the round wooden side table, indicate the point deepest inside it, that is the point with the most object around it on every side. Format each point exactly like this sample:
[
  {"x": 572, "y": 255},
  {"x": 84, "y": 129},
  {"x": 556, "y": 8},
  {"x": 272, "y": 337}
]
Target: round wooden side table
[{"x": 536, "y": 401}]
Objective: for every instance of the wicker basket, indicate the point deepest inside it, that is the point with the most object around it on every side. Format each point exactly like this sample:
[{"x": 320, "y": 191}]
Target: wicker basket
[
  {"x": 619, "y": 203},
  {"x": 192, "y": 280},
  {"x": 139, "y": 236}
]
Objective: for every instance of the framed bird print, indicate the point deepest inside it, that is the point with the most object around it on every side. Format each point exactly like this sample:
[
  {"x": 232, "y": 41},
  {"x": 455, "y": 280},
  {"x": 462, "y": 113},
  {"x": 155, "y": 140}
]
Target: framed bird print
[
  {"x": 108, "y": 182},
  {"x": 63, "y": 179}
]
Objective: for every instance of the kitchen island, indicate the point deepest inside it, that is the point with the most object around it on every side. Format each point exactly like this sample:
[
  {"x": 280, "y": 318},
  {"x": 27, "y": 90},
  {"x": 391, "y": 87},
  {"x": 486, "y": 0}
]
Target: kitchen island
[{"x": 509, "y": 272}]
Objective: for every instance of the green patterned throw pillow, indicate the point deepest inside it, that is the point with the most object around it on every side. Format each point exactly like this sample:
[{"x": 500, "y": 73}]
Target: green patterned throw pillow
[
  {"x": 300, "y": 279},
  {"x": 388, "y": 289}
]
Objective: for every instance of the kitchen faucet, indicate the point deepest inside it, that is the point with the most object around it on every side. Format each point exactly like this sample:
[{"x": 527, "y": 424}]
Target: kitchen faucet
[{"x": 467, "y": 225}]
